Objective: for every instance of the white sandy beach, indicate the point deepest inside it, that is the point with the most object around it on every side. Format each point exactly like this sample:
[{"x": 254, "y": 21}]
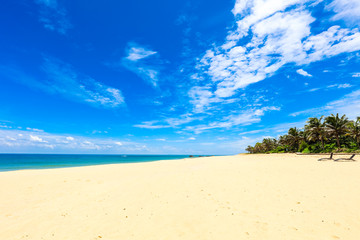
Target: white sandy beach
[{"x": 282, "y": 196}]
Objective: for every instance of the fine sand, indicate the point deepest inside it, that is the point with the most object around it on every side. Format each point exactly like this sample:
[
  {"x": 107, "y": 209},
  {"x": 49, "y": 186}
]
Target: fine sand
[{"x": 277, "y": 197}]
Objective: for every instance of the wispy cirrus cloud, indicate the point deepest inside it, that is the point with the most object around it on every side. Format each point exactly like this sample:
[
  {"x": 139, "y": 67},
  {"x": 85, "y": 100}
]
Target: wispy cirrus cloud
[
  {"x": 168, "y": 122},
  {"x": 138, "y": 53},
  {"x": 243, "y": 118},
  {"x": 152, "y": 125},
  {"x": 348, "y": 104},
  {"x": 268, "y": 35},
  {"x": 62, "y": 79},
  {"x": 331, "y": 87},
  {"x": 53, "y": 16},
  {"x": 142, "y": 61},
  {"x": 270, "y": 132},
  {"x": 344, "y": 85}
]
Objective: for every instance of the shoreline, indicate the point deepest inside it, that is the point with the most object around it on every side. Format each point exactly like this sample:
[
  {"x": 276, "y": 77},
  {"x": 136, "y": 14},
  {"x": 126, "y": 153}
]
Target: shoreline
[
  {"x": 245, "y": 196},
  {"x": 47, "y": 161}
]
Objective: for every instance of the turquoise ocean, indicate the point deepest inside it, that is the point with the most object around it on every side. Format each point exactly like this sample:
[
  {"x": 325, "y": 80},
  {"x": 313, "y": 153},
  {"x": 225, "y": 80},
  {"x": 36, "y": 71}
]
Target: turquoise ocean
[{"x": 11, "y": 162}]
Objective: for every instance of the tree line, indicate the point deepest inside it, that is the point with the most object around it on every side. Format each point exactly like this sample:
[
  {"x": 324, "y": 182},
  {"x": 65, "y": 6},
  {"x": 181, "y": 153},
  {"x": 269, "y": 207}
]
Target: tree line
[{"x": 319, "y": 135}]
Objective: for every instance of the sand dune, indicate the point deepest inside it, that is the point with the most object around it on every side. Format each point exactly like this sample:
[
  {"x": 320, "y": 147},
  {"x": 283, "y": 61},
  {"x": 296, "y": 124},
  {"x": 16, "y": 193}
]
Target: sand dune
[{"x": 278, "y": 197}]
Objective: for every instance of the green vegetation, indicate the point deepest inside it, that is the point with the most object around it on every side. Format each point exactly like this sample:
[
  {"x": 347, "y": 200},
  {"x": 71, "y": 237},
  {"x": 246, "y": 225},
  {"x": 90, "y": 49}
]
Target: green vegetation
[{"x": 319, "y": 135}]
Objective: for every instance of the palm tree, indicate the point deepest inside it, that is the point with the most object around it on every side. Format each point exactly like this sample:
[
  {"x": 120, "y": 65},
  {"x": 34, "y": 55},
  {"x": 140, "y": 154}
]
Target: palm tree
[
  {"x": 258, "y": 148},
  {"x": 269, "y": 144},
  {"x": 316, "y": 130},
  {"x": 354, "y": 130},
  {"x": 337, "y": 126},
  {"x": 250, "y": 149},
  {"x": 295, "y": 137},
  {"x": 283, "y": 140}
]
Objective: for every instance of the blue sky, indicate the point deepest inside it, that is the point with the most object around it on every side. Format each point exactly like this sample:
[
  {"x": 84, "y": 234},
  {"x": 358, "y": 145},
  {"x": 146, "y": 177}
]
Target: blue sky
[{"x": 171, "y": 77}]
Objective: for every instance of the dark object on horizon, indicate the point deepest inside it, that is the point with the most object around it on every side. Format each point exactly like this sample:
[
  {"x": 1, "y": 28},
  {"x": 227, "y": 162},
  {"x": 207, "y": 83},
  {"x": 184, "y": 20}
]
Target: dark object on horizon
[
  {"x": 346, "y": 159},
  {"x": 191, "y": 156},
  {"x": 325, "y": 159}
]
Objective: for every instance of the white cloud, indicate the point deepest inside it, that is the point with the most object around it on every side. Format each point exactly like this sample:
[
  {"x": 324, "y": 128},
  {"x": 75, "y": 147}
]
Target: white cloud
[
  {"x": 222, "y": 138},
  {"x": 253, "y": 11},
  {"x": 252, "y": 132},
  {"x": 201, "y": 97},
  {"x": 161, "y": 139},
  {"x": 192, "y": 138},
  {"x": 269, "y": 35},
  {"x": 330, "y": 43},
  {"x": 348, "y": 10},
  {"x": 37, "y": 139},
  {"x": 98, "y": 132},
  {"x": 168, "y": 122},
  {"x": 143, "y": 62},
  {"x": 356, "y": 75},
  {"x": 34, "y": 129},
  {"x": 345, "y": 85},
  {"x": 62, "y": 79},
  {"x": 349, "y": 105},
  {"x": 53, "y": 16},
  {"x": 272, "y": 131},
  {"x": 303, "y": 72},
  {"x": 137, "y": 53},
  {"x": 90, "y": 145},
  {"x": 314, "y": 89},
  {"x": 13, "y": 140},
  {"x": 243, "y": 118},
  {"x": 151, "y": 125},
  {"x": 332, "y": 86}
]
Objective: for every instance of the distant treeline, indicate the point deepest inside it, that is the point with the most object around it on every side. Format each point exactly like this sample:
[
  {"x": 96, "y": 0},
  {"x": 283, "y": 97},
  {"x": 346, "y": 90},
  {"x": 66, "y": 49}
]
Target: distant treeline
[{"x": 324, "y": 134}]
